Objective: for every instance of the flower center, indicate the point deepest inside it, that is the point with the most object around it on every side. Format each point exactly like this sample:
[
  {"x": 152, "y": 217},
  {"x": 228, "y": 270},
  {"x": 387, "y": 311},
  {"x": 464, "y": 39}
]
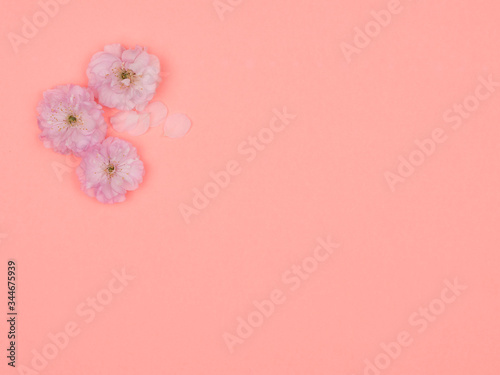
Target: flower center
[
  {"x": 72, "y": 119},
  {"x": 126, "y": 74},
  {"x": 110, "y": 169}
]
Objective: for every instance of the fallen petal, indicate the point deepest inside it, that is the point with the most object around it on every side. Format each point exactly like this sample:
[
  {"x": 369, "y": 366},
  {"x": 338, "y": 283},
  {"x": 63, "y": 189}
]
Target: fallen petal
[
  {"x": 176, "y": 126},
  {"x": 142, "y": 125},
  {"x": 125, "y": 120},
  {"x": 158, "y": 113}
]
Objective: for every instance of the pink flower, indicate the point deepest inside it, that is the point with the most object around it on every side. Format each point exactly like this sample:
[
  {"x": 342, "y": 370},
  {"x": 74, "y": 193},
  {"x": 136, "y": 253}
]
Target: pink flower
[
  {"x": 124, "y": 78},
  {"x": 109, "y": 170},
  {"x": 70, "y": 119}
]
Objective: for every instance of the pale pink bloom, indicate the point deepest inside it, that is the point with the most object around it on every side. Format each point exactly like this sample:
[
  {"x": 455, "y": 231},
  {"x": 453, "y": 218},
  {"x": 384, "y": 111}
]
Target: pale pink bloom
[
  {"x": 70, "y": 119},
  {"x": 124, "y": 78},
  {"x": 109, "y": 170}
]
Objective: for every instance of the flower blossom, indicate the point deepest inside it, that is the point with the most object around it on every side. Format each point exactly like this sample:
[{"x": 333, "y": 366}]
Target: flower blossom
[
  {"x": 109, "y": 170},
  {"x": 122, "y": 78},
  {"x": 70, "y": 120}
]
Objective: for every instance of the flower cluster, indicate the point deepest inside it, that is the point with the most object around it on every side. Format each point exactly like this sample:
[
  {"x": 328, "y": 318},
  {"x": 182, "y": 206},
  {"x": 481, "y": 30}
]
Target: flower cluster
[{"x": 71, "y": 119}]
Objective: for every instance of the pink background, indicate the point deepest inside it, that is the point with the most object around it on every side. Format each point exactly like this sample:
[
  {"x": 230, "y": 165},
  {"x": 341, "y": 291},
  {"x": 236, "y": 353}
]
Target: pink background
[{"x": 323, "y": 175}]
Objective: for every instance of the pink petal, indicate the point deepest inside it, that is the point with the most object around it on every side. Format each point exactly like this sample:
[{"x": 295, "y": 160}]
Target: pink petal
[
  {"x": 158, "y": 112},
  {"x": 114, "y": 49},
  {"x": 142, "y": 126},
  {"x": 125, "y": 120},
  {"x": 176, "y": 126}
]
